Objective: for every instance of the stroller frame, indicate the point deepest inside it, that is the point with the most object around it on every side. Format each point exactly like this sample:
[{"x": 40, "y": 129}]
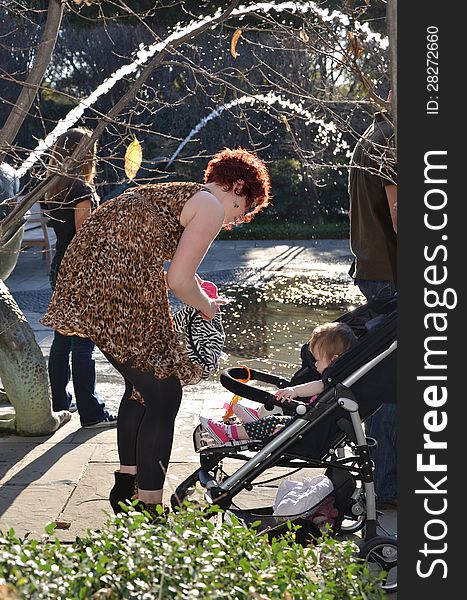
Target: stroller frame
[
  {"x": 356, "y": 385},
  {"x": 274, "y": 451}
]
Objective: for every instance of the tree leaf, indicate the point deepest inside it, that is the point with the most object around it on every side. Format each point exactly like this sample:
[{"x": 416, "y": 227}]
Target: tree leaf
[
  {"x": 304, "y": 35},
  {"x": 355, "y": 45},
  {"x": 50, "y": 528},
  {"x": 133, "y": 159},
  {"x": 234, "y": 42},
  {"x": 286, "y": 123}
]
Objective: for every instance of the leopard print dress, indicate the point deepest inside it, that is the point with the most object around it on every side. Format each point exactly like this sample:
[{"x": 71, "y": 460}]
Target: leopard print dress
[{"x": 111, "y": 286}]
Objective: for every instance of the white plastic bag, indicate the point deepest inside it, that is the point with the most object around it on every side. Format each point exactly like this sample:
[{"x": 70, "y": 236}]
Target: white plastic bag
[{"x": 298, "y": 497}]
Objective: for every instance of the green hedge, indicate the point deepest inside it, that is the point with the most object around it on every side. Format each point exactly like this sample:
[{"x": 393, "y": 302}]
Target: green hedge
[
  {"x": 182, "y": 556},
  {"x": 260, "y": 230}
]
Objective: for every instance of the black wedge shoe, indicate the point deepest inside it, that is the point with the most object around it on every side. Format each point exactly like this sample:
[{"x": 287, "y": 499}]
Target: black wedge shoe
[{"x": 123, "y": 491}]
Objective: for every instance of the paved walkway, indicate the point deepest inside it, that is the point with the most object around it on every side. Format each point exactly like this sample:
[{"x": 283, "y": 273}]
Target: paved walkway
[{"x": 66, "y": 476}]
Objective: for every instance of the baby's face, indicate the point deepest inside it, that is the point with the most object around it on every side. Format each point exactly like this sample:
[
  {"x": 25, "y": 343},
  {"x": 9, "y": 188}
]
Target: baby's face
[{"x": 322, "y": 362}]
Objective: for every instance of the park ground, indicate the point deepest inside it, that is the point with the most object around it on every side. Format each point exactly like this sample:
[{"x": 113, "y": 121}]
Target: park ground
[{"x": 65, "y": 477}]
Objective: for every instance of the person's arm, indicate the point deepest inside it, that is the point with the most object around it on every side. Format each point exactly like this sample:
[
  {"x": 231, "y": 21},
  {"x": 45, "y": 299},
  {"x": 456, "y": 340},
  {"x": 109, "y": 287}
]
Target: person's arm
[
  {"x": 391, "y": 194},
  {"x": 82, "y": 212},
  {"x": 202, "y": 217},
  {"x": 301, "y": 391}
]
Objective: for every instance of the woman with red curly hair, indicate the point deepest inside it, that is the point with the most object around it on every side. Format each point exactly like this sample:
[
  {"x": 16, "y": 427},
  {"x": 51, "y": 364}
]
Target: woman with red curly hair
[{"x": 112, "y": 288}]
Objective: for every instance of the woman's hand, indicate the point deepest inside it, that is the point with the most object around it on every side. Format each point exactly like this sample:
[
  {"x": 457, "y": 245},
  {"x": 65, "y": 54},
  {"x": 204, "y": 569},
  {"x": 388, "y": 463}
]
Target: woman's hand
[
  {"x": 286, "y": 394},
  {"x": 214, "y": 305}
]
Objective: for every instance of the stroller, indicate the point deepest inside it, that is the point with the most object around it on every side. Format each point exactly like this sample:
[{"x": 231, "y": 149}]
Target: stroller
[{"x": 356, "y": 385}]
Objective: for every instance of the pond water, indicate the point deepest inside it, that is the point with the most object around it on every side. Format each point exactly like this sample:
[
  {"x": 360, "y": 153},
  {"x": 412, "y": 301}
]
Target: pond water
[{"x": 266, "y": 325}]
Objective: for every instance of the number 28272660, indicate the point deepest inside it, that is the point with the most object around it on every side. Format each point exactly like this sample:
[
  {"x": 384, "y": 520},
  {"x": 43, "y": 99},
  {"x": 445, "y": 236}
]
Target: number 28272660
[{"x": 432, "y": 69}]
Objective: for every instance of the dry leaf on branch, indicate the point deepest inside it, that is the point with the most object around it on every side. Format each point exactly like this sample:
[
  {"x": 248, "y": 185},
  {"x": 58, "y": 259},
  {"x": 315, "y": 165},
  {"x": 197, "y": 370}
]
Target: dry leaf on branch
[
  {"x": 355, "y": 45},
  {"x": 234, "y": 42},
  {"x": 286, "y": 123},
  {"x": 87, "y": 2},
  {"x": 133, "y": 159},
  {"x": 304, "y": 35}
]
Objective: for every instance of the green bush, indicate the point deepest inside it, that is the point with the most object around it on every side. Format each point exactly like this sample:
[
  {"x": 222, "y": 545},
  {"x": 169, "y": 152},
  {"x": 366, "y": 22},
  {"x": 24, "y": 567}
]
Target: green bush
[
  {"x": 185, "y": 556},
  {"x": 288, "y": 190},
  {"x": 258, "y": 229}
]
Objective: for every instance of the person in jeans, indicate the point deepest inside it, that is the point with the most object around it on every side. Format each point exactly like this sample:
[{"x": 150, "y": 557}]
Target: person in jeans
[
  {"x": 68, "y": 205},
  {"x": 112, "y": 288},
  {"x": 373, "y": 242}
]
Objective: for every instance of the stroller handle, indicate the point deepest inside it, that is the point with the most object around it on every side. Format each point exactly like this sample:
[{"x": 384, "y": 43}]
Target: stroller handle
[{"x": 229, "y": 379}]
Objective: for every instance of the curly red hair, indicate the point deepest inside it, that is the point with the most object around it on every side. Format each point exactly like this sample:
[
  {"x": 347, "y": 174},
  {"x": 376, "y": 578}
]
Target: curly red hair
[{"x": 227, "y": 166}]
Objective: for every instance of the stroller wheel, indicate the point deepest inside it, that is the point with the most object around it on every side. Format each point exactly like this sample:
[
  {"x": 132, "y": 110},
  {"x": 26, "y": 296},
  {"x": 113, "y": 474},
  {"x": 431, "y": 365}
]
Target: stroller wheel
[
  {"x": 380, "y": 554},
  {"x": 352, "y": 524}
]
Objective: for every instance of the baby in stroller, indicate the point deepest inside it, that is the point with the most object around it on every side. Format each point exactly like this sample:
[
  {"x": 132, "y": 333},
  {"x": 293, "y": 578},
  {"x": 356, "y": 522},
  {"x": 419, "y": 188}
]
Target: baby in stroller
[{"x": 326, "y": 344}]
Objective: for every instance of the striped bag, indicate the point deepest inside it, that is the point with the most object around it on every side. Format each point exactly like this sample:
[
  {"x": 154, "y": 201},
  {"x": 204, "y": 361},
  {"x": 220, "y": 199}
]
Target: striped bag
[{"x": 203, "y": 339}]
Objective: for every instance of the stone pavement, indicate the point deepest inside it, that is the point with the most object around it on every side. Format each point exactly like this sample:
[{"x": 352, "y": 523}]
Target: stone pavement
[{"x": 66, "y": 476}]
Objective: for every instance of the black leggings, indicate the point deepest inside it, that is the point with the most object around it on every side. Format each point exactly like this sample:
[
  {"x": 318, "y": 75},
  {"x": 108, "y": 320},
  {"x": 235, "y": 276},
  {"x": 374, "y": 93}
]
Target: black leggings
[{"x": 145, "y": 433}]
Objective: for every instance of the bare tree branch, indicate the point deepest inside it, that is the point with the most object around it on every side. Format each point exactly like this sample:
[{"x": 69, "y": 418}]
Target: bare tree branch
[
  {"x": 33, "y": 81},
  {"x": 33, "y": 196},
  {"x": 315, "y": 72}
]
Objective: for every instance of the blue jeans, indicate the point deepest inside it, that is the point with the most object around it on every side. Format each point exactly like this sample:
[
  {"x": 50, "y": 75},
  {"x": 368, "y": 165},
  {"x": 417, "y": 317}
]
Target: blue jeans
[
  {"x": 383, "y": 428},
  {"x": 91, "y": 408},
  {"x": 372, "y": 289},
  {"x": 383, "y": 424}
]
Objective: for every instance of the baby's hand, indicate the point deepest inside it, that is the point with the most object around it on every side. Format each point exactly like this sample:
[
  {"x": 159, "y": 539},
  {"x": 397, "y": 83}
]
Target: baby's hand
[{"x": 286, "y": 394}]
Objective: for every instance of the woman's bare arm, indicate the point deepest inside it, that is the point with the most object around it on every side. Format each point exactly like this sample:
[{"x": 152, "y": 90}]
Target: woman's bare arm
[
  {"x": 202, "y": 217},
  {"x": 82, "y": 212}
]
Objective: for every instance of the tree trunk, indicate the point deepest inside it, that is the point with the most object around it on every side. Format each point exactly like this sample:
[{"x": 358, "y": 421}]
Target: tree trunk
[
  {"x": 23, "y": 372},
  {"x": 36, "y": 74}
]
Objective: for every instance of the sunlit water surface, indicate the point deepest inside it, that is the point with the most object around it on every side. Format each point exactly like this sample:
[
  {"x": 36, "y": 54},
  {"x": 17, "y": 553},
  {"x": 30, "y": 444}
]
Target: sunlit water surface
[{"x": 266, "y": 326}]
